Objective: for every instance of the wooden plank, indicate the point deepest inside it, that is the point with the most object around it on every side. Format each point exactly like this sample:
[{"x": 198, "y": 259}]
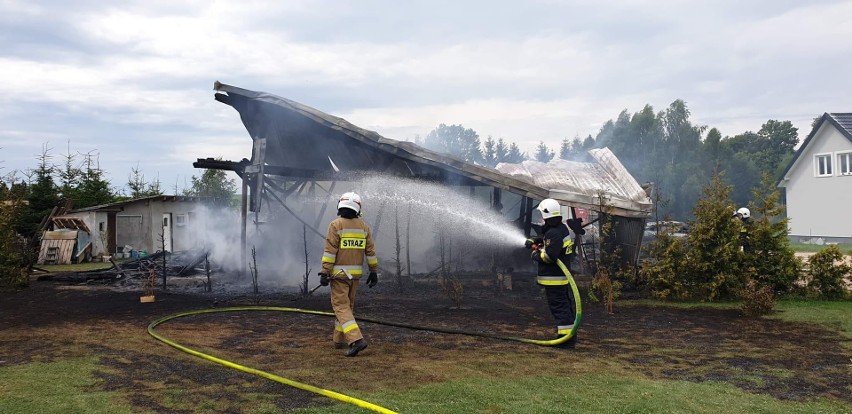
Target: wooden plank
[
  {"x": 60, "y": 235},
  {"x": 66, "y": 250}
]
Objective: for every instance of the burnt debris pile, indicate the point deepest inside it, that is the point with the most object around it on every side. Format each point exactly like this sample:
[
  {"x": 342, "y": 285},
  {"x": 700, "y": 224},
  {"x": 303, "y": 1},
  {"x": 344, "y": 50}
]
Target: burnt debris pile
[{"x": 137, "y": 271}]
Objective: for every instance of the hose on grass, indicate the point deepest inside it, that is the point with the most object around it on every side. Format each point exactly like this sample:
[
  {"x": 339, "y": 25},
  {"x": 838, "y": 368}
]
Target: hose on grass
[{"x": 336, "y": 395}]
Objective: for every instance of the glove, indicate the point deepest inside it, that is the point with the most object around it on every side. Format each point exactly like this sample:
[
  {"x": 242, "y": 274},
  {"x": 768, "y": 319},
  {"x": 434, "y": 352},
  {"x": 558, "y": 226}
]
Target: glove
[
  {"x": 576, "y": 225},
  {"x": 372, "y": 279},
  {"x": 324, "y": 279},
  {"x": 535, "y": 255},
  {"x": 532, "y": 242}
]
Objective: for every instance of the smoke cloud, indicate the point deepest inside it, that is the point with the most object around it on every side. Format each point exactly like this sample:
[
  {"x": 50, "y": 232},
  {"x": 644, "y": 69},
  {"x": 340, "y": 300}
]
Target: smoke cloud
[{"x": 475, "y": 236}]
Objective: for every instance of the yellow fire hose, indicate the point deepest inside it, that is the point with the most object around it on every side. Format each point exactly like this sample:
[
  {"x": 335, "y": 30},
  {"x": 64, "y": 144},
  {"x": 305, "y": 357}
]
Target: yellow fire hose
[{"x": 336, "y": 395}]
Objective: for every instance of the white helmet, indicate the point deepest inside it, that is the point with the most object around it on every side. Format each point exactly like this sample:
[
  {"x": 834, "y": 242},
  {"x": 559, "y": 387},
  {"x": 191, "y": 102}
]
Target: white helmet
[
  {"x": 351, "y": 201},
  {"x": 743, "y": 213},
  {"x": 549, "y": 208}
]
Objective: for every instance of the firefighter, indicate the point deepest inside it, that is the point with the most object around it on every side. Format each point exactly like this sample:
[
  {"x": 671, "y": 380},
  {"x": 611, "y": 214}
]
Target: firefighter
[
  {"x": 555, "y": 244},
  {"x": 348, "y": 242},
  {"x": 745, "y": 218}
]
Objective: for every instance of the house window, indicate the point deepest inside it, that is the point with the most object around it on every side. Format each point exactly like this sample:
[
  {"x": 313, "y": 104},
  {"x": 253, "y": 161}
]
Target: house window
[
  {"x": 822, "y": 165},
  {"x": 180, "y": 220},
  {"x": 844, "y": 163},
  {"x": 101, "y": 226}
]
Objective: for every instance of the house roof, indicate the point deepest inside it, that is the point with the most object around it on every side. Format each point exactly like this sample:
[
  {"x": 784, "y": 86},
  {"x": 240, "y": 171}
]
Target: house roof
[
  {"x": 117, "y": 206},
  {"x": 303, "y": 139},
  {"x": 842, "y": 121}
]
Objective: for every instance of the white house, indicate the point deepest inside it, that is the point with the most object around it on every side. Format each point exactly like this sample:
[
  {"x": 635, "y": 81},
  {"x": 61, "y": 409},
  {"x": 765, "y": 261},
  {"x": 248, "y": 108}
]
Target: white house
[{"x": 818, "y": 182}]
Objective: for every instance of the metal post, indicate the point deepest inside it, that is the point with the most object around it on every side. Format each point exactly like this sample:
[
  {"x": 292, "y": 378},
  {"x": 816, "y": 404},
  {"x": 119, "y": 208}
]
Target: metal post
[
  {"x": 243, "y": 214},
  {"x": 528, "y": 216}
]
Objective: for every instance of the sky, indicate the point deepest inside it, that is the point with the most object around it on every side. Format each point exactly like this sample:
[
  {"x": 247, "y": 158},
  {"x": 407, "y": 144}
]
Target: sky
[{"x": 132, "y": 82}]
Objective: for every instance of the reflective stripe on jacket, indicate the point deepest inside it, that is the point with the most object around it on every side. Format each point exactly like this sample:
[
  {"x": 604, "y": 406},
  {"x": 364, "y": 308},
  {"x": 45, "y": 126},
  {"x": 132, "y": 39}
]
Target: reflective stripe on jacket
[
  {"x": 558, "y": 244},
  {"x": 347, "y": 243}
]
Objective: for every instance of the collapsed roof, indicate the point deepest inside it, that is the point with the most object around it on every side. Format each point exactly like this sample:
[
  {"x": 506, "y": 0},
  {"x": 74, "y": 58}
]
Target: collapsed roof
[
  {"x": 587, "y": 185},
  {"x": 303, "y": 142}
]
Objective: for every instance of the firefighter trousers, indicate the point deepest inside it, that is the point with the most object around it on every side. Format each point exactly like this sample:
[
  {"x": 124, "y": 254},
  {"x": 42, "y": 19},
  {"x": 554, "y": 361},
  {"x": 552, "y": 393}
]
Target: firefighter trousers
[
  {"x": 560, "y": 299},
  {"x": 343, "y": 303}
]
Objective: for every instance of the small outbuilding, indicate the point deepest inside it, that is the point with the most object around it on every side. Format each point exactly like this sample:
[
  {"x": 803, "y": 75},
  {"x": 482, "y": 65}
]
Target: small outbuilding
[{"x": 163, "y": 222}]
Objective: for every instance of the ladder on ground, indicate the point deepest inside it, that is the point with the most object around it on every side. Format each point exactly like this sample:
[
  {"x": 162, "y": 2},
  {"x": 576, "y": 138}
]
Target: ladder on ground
[{"x": 51, "y": 256}]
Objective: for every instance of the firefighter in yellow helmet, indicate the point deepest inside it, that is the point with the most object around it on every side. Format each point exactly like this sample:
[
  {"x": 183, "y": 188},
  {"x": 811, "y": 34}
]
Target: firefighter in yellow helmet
[
  {"x": 555, "y": 243},
  {"x": 348, "y": 241}
]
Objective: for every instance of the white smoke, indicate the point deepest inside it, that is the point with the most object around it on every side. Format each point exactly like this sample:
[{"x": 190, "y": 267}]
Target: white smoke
[{"x": 419, "y": 210}]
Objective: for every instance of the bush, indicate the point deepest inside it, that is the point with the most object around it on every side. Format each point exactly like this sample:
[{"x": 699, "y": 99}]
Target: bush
[
  {"x": 757, "y": 299},
  {"x": 829, "y": 273},
  {"x": 663, "y": 272}
]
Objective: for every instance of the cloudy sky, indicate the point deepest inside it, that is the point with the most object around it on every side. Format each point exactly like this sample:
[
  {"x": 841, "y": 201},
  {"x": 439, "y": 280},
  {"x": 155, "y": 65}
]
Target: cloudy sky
[{"x": 133, "y": 81}]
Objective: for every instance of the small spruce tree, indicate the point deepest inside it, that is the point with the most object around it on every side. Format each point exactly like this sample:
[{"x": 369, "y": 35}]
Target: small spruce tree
[
  {"x": 771, "y": 262},
  {"x": 713, "y": 260}
]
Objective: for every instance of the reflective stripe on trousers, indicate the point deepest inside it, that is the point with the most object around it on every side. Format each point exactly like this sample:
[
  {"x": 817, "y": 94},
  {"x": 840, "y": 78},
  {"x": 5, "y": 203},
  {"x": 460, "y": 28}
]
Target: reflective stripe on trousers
[{"x": 343, "y": 303}]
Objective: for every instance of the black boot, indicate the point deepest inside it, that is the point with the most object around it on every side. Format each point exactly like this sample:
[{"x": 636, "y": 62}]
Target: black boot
[
  {"x": 340, "y": 345},
  {"x": 356, "y": 347},
  {"x": 569, "y": 344}
]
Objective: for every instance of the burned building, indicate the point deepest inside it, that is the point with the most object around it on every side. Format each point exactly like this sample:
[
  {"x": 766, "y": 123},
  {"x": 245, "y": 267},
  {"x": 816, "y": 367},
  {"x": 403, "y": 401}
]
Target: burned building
[{"x": 296, "y": 149}]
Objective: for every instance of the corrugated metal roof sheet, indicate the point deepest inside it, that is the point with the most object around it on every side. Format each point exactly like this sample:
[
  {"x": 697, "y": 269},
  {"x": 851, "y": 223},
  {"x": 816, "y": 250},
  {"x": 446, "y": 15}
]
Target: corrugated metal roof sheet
[{"x": 582, "y": 184}]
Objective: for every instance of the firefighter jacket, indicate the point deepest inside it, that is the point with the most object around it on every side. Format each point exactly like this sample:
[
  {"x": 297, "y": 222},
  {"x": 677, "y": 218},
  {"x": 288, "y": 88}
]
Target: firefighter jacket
[
  {"x": 347, "y": 243},
  {"x": 557, "y": 244},
  {"x": 745, "y": 229}
]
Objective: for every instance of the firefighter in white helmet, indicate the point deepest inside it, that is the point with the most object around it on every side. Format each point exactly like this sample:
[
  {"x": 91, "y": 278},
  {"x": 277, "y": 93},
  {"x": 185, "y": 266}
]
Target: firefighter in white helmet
[
  {"x": 745, "y": 220},
  {"x": 555, "y": 244},
  {"x": 348, "y": 242}
]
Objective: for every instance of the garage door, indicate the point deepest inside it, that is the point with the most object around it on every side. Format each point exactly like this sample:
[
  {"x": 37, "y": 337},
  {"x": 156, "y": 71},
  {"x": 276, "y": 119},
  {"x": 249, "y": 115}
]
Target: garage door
[{"x": 129, "y": 232}]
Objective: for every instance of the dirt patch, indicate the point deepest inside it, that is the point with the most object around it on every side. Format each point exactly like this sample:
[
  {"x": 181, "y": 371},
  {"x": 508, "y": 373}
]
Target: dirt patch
[{"x": 50, "y": 320}]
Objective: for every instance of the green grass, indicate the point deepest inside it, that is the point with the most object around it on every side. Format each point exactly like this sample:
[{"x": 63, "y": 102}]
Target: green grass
[
  {"x": 77, "y": 267},
  {"x": 836, "y": 315},
  {"x": 679, "y": 305},
  {"x": 57, "y": 387},
  {"x": 598, "y": 393},
  {"x": 813, "y": 248}
]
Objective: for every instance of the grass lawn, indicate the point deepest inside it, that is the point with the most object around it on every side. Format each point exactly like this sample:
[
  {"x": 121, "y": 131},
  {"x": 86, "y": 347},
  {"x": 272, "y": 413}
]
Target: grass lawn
[
  {"x": 107, "y": 366},
  {"x": 65, "y": 386},
  {"x": 835, "y": 315},
  {"x": 813, "y": 248},
  {"x": 77, "y": 267},
  {"x": 604, "y": 392}
]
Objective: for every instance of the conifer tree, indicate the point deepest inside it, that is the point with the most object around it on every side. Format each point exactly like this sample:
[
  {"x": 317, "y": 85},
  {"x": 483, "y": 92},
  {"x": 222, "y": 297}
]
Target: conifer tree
[
  {"x": 515, "y": 155},
  {"x": 713, "y": 260},
  {"x": 772, "y": 261},
  {"x": 94, "y": 189},
  {"x": 489, "y": 152},
  {"x": 41, "y": 195},
  {"x": 543, "y": 153}
]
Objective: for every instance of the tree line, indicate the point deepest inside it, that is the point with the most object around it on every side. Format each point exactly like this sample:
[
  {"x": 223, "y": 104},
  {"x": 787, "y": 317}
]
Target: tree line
[
  {"x": 661, "y": 147},
  {"x": 78, "y": 181}
]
